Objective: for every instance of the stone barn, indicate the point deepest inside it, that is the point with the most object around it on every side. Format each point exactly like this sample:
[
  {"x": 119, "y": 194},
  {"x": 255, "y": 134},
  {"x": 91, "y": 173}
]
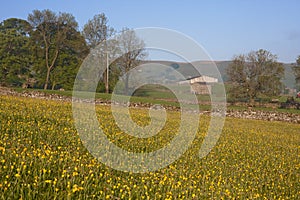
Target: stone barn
[{"x": 200, "y": 84}]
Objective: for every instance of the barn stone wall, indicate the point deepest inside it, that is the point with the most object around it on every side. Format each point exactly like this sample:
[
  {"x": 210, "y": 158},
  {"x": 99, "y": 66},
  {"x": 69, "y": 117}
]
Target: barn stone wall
[{"x": 201, "y": 88}]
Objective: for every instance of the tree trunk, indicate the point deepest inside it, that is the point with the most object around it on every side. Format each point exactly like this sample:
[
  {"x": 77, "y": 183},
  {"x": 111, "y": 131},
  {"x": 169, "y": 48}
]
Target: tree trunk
[
  {"x": 47, "y": 79},
  {"x": 251, "y": 100},
  {"x": 53, "y": 86},
  {"x": 106, "y": 82},
  {"x": 126, "y": 83},
  {"x": 47, "y": 61}
]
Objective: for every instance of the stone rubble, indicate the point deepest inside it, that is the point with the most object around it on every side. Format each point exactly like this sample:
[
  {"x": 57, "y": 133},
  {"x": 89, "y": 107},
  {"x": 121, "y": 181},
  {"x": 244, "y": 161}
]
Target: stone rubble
[{"x": 265, "y": 115}]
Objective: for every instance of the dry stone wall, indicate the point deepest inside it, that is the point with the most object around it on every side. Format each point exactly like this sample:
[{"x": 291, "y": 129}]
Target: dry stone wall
[{"x": 245, "y": 114}]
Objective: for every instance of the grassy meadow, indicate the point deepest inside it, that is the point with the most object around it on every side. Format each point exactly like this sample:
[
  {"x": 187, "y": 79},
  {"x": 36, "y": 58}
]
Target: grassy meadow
[{"x": 42, "y": 157}]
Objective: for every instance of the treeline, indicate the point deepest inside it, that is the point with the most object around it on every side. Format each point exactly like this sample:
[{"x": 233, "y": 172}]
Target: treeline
[{"x": 47, "y": 49}]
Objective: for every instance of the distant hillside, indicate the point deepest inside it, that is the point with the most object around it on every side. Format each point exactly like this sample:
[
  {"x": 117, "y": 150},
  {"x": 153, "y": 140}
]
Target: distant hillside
[{"x": 188, "y": 70}]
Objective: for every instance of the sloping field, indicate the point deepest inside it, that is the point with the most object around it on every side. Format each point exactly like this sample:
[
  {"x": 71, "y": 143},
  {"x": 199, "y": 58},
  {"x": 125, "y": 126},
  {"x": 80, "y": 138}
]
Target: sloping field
[{"x": 42, "y": 157}]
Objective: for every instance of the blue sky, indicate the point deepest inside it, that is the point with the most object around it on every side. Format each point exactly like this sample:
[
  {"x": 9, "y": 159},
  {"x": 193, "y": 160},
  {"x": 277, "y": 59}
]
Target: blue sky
[{"x": 223, "y": 28}]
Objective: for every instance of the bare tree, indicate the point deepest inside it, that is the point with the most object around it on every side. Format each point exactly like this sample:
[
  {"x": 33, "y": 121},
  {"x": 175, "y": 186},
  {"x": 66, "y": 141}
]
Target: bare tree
[
  {"x": 51, "y": 31},
  {"x": 133, "y": 52},
  {"x": 254, "y": 74}
]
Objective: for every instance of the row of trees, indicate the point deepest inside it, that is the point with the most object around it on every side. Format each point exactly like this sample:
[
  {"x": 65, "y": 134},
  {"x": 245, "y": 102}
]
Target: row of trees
[{"x": 47, "y": 49}]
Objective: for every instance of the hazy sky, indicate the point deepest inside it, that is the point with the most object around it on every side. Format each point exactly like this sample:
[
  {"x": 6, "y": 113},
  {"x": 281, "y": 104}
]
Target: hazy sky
[{"x": 223, "y": 28}]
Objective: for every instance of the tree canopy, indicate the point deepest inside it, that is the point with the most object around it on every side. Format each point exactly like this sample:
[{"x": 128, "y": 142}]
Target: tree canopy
[
  {"x": 55, "y": 34},
  {"x": 15, "y": 52},
  {"x": 95, "y": 32},
  {"x": 47, "y": 49},
  {"x": 296, "y": 70},
  {"x": 254, "y": 74}
]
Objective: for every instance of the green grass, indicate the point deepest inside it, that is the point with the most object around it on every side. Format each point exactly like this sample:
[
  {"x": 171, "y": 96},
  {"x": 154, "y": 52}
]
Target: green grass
[{"x": 152, "y": 94}]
